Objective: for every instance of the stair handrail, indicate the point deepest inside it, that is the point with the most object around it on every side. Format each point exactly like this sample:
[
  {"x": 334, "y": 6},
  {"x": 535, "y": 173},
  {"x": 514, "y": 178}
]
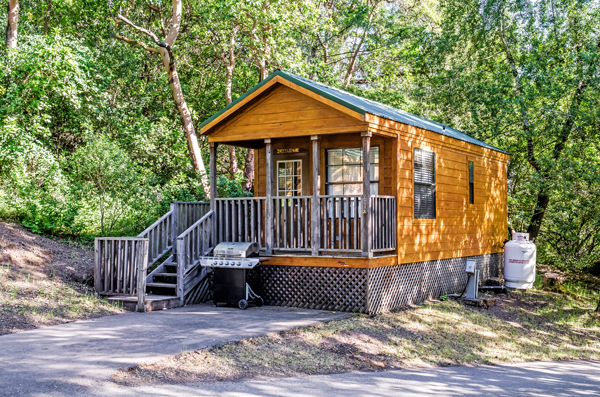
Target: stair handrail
[
  {"x": 195, "y": 242},
  {"x": 159, "y": 220},
  {"x": 159, "y": 235}
]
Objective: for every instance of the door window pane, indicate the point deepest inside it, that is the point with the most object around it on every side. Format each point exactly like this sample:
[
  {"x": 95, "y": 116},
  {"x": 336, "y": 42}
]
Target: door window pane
[
  {"x": 289, "y": 181},
  {"x": 281, "y": 169}
]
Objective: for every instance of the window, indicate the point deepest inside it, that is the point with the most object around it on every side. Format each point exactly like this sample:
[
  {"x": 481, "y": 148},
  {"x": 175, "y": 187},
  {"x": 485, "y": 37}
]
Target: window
[
  {"x": 471, "y": 185},
  {"x": 424, "y": 184},
  {"x": 344, "y": 171},
  {"x": 289, "y": 178}
]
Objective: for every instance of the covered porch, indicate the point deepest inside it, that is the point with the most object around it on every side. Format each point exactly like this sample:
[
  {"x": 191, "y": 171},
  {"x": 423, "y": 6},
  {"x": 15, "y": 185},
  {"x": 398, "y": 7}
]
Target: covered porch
[{"x": 311, "y": 200}]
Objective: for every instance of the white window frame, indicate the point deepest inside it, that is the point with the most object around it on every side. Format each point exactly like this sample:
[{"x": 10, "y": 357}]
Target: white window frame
[
  {"x": 373, "y": 182},
  {"x": 277, "y": 176}
]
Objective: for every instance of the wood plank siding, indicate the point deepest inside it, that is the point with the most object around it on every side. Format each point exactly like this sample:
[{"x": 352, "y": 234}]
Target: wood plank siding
[
  {"x": 285, "y": 112},
  {"x": 459, "y": 229},
  {"x": 289, "y": 115}
]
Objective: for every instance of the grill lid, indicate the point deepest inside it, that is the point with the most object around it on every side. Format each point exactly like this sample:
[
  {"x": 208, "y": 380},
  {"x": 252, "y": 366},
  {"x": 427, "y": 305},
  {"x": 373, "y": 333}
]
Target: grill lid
[{"x": 237, "y": 250}]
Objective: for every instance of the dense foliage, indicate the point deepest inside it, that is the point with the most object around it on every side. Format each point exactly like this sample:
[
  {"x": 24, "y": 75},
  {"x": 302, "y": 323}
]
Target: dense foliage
[{"x": 91, "y": 144}]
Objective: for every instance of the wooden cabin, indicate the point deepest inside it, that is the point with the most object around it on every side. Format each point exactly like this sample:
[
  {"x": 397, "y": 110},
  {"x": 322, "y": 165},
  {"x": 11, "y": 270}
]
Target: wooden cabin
[
  {"x": 344, "y": 233},
  {"x": 357, "y": 207}
]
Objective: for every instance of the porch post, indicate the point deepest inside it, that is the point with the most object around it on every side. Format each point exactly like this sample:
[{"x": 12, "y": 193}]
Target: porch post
[
  {"x": 213, "y": 189},
  {"x": 315, "y": 218},
  {"x": 366, "y": 198},
  {"x": 269, "y": 224}
]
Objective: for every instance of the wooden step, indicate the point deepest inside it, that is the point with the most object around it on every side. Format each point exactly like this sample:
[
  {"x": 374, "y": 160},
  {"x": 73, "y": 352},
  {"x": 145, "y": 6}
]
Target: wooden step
[
  {"x": 153, "y": 302},
  {"x": 165, "y": 274},
  {"x": 161, "y": 285}
]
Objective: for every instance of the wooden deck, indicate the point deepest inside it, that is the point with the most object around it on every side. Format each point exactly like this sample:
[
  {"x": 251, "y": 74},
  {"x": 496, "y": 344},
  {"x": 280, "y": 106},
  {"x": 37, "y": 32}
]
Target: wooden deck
[{"x": 312, "y": 227}]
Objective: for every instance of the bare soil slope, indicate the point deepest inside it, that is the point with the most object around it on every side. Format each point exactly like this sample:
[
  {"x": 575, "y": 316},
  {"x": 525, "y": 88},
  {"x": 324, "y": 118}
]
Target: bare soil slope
[{"x": 45, "y": 281}]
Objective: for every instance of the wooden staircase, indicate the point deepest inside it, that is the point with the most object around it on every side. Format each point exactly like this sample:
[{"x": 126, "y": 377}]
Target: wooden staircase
[{"x": 121, "y": 263}]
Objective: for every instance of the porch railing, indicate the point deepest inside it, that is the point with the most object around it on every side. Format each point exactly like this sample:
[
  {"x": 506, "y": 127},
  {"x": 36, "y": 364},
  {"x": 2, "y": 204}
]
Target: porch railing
[
  {"x": 188, "y": 214},
  {"x": 241, "y": 220},
  {"x": 292, "y": 223},
  {"x": 120, "y": 267},
  {"x": 195, "y": 242},
  {"x": 383, "y": 218},
  {"x": 340, "y": 223}
]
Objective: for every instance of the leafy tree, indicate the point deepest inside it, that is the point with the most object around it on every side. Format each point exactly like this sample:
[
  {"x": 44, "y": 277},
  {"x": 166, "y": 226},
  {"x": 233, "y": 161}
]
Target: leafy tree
[
  {"x": 167, "y": 54},
  {"x": 105, "y": 172}
]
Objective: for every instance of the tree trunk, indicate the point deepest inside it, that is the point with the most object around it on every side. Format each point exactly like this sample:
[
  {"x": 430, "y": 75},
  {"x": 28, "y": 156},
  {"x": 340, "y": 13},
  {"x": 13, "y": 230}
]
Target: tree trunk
[
  {"x": 543, "y": 198},
  {"x": 233, "y": 168},
  {"x": 47, "y": 17},
  {"x": 186, "y": 119},
  {"x": 178, "y": 98},
  {"x": 538, "y": 215},
  {"x": 551, "y": 281},
  {"x": 249, "y": 170},
  {"x": 12, "y": 23}
]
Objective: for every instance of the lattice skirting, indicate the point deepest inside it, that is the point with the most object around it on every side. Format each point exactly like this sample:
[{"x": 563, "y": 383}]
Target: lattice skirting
[
  {"x": 373, "y": 290},
  {"x": 323, "y": 288},
  {"x": 398, "y": 286}
]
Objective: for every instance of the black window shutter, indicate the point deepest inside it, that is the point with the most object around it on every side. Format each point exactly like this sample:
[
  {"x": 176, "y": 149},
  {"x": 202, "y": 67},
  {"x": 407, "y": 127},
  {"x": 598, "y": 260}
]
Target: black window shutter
[
  {"x": 424, "y": 187},
  {"x": 471, "y": 184}
]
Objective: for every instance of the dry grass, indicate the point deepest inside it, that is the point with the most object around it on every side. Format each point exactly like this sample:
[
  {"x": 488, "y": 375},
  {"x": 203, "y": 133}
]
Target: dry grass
[
  {"x": 40, "y": 282},
  {"x": 522, "y": 327}
]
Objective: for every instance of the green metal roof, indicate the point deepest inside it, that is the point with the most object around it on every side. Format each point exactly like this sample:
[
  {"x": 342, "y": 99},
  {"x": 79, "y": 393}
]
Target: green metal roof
[{"x": 362, "y": 106}]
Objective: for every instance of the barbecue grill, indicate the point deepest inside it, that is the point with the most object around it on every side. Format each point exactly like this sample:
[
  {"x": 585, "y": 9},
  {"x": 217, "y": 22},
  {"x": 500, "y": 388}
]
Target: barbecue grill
[{"x": 231, "y": 263}]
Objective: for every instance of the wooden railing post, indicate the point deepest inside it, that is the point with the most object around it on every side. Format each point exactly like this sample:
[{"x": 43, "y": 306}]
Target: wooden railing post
[
  {"x": 213, "y": 189},
  {"x": 174, "y": 230},
  {"x": 142, "y": 261},
  {"x": 366, "y": 198},
  {"x": 315, "y": 213},
  {"x": 269, "y": 224},
  {"x": 181, "y": 261},
  {"x": 98, "y": 265}
]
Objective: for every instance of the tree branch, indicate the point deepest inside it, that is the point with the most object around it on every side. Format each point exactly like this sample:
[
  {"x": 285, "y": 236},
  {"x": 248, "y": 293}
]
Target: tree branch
[
  {"x": 136, "y": 43},
  {"x": 153, "y": 37},
  {"x": 160, "y": 17}
]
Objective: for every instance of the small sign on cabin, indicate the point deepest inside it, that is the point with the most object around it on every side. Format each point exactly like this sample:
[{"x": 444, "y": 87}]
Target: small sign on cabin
[{"x": 287, "y": 150}]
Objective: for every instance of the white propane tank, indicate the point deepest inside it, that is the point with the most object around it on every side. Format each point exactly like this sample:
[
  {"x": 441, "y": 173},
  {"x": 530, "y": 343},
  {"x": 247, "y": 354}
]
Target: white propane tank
[{"x": 519, "y": 262}]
